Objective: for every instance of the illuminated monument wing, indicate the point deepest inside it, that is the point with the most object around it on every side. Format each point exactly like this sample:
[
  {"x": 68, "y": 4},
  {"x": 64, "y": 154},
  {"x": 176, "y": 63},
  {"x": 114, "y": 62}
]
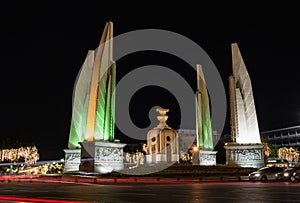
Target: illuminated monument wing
[
  {"x": 92, "y": 125},
  {"x": 246, "y": 129},
  {"x": 203, "y": 122},
  {"x": 204, "y": 130},
  {"x": 246, "y": 148},
  {"x": 81, "y": 102}
]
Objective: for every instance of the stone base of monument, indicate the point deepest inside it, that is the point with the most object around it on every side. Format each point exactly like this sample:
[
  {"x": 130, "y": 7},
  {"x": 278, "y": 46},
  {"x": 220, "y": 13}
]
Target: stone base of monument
[
  {"x": 207, "y": 157},
  {"x": 245, "y": 155},
  {"x": 101, "y": 157},
  {"x": 72, "y": 160}
]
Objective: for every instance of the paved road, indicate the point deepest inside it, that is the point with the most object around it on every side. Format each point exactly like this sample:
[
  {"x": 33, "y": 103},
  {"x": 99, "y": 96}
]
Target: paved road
[{"x": 242, "y": 191}]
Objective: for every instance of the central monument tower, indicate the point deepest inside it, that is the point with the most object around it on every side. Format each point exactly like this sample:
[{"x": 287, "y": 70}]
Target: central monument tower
[
  {"x": 162, "y": 141},
  {"x": 91, "y": 140}
]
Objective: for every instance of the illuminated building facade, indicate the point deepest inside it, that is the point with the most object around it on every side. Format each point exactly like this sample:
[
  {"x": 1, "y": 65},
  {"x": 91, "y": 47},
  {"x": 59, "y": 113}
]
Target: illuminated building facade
[
  {"x": 92, "y": 126},
  {"x": 246, "y": 149},
  {"x": 283, "y": 137}
]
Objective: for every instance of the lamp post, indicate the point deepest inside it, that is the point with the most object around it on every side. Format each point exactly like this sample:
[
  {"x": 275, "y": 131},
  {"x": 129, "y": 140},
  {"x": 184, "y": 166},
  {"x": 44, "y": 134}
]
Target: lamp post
[{"x": 195, "y": 156}]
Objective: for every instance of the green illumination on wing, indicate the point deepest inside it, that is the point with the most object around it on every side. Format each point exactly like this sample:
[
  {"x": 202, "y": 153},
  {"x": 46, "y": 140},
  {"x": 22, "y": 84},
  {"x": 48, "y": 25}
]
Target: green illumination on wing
[
  {"x": 80, "y": 102},
  {"x": 207, "y": 129},
  {"x": 199, "y": 121},
  {"x": 204, "y": 128},
  {"x": 101, "y": 108},
  {"x": 94, "y": 95},
  {"x": 110, "y": 109},
  {"x": 104, "y": 129},
  {"x": 105, "y": 110}
]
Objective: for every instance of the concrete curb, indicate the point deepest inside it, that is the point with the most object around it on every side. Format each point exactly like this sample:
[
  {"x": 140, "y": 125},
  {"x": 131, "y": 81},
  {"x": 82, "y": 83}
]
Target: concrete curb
[{"x": 97, "y": 180}]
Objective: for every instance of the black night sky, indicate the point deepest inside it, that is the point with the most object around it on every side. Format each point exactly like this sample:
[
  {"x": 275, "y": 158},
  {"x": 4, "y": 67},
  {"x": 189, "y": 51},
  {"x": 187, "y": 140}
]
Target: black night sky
[{"x": 43, "y": 47}]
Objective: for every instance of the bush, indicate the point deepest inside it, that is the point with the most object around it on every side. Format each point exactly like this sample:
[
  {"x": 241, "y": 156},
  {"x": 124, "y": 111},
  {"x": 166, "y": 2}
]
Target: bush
[{"x": 183, "y": 170}]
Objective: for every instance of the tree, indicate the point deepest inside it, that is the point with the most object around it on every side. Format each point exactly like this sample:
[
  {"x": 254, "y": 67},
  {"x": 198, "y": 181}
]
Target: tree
[
  {"x": 28, "y": 154},
  {"x": 290, "y": 154},
  {"x": 267, "y": 149},
  {"x": 270, "y": 150}
]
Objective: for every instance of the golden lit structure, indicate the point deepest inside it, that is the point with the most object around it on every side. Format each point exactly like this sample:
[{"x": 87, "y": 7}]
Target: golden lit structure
[
  {"x": 29, "y": 154},
  {"x": 162, "y": 141}
]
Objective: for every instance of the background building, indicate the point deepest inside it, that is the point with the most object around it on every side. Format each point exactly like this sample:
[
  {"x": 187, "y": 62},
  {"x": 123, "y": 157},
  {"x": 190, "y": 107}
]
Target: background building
[{"x": 283, "y": 137}]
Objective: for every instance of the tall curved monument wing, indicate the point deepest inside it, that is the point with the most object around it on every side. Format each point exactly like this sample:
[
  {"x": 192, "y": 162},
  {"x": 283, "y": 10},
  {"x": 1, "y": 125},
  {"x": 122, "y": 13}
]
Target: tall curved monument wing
[
  {"x": 93, "y": 96},
  {"x": 100, "y": 124},
  {"x": 205, "y": 156},
  {"x": 92, "y": 147},
  {"x": 80, "y": 102},
  {"x": 246, "y": 149},
  {"x": 204, "y": 128},
  {"x": 243, "y": 113}
]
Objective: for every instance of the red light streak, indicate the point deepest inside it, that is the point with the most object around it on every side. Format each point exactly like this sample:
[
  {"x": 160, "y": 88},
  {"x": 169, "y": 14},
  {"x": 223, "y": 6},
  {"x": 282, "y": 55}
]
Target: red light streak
[{"x": 39, "y": 200}]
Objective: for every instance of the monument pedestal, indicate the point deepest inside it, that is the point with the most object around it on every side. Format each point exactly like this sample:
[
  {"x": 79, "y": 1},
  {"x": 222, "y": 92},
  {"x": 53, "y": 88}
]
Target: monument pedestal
[
  {"x": 207, "y": 157},
  {"x": 72, "y": 160},
  {"x": 245, "y": 155},
  {"x": 101, "y": 157}
]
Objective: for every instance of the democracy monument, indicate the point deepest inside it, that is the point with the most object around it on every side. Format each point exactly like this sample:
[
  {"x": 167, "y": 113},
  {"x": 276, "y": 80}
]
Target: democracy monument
[
  {"x": 246, "y": 150},
  {"x": 203, "y": 124},
  {"x": 91, "y": 144}
]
